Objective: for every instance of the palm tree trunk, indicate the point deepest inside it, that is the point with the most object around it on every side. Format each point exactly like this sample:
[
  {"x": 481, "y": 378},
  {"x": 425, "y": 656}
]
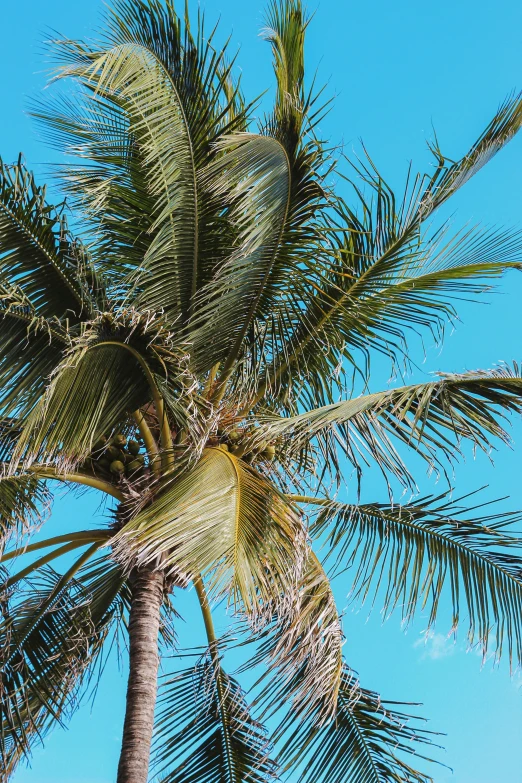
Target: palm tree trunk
[{"x": 144, "y": 621}]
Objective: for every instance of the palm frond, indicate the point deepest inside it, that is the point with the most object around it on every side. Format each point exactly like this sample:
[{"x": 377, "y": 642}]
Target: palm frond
[
  {"x": 38, "y": 253},
  {"x": 24, "y": 503},
  {"x": 106, "y": 374},
  {"x": 416, "y": 553},
  {"x": 433, "y": 418},
  {"x": 285, "y": 30},
  {"x": 51, "y": 636},
  {"x": 205, "y": 733},
  {"x": 383, "y": 275},
  {"x": 224, "y": 520},
  {"x": 108, "y": 186},
  {"x": 133, "y": 76},
  {"x": 30, "y": 349},
  {"x": 370, "y": 300},
  {"x": 90, "y": 393},
  {"x": 151, "y": 82},
  {"x": 296, "y": 240},
  {"x": 447, "y": 179},
  {"x": 300, "y": 648},
  {"x": 366, "y": 741},
  {"x": 252, "y": 178}
]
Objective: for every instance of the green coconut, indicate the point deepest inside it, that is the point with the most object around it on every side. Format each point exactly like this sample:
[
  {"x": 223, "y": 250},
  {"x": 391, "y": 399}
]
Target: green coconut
[
  {"x": 269, "y": 452},
  {"x": 259, "y": 447},
  {"x": 104, "y": 463},
  {"x": 134, "y": 447},
  {"x": 134, "y": 466},
  {"x": 100, "y": 443},
  {"x": 113, "y": 452},
  {"x": 119, "y": 440},
  {"x": 117, "y": 466}
]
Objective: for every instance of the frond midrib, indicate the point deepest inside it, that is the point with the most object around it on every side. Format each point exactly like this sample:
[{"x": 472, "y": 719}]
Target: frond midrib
[
  {"x": 426, "y": 532},
  {"x": 52, "y": 260}
]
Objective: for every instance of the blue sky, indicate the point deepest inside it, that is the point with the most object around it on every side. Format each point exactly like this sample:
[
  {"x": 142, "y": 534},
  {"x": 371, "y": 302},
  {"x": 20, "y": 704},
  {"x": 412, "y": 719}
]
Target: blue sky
[{"x": 398, "y": 70}]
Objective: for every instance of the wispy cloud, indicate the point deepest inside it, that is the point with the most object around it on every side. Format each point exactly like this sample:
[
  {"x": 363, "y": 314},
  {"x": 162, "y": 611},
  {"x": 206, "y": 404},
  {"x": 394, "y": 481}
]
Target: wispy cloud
[{"x": 435, "y": 645}]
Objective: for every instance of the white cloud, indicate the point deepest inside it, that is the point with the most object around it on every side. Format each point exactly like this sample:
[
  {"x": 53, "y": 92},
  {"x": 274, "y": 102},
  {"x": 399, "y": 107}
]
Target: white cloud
[{"x": 436, "y": 645}]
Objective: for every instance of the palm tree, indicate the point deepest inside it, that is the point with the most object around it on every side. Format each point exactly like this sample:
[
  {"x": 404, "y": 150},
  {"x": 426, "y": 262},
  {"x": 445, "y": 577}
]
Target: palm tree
[{"x": 186, "y": 359}]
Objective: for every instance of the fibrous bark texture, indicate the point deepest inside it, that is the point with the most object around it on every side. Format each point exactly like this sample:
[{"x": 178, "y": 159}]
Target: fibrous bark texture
[{"x": 147, "y": 596}]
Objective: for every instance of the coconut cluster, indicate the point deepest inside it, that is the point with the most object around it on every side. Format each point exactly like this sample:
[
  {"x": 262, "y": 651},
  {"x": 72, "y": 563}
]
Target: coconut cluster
[
  {"x": 116, "y": 457},
  {"x": 242, "y": 444}
]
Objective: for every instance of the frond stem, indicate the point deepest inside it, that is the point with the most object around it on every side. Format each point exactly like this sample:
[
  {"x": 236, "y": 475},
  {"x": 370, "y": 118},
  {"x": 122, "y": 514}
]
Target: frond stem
[
  {"x": 34, "y": 566},
  {"x": 207, "y": 614},
  {"x": 148, "y": 439},
  {"x": 87, "y": 536},
  {"x": 214, "y": 653},
  {"x": 78, "y": 478},
  {"x": 312, "y": 501}
]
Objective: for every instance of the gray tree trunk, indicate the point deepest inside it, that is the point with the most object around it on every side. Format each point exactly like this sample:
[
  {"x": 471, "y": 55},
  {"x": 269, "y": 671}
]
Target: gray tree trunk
[{"x": 144, "y": 621}]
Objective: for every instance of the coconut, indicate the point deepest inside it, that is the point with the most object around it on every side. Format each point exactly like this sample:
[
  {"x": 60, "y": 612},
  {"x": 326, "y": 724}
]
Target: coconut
[
  {"x": 117, "y": 466},
  {"x": 119, "y": 440},
  {"x": 269, "y": 452},
  {"x": 100, "y": 443},
  {"x": 234, "y": 436},
  {"x": 134, "y": 447},
  {"x": 134, "y": 466},
  {"x": 113, "y": 452},
  {"x": 104, "y": 463}
]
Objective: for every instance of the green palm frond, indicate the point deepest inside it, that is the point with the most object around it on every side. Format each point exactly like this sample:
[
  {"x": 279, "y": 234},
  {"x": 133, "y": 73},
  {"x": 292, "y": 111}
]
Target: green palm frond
[
  {"x": 452, "y": 175},
  {"x": 107, "y": 373},
  {"x": 296, "y": 240},
  {"x": 416, "y": 552},
  {"x": 109, "y": 185},
  {"x": 133, "y": 76},
  {"x": 366, "y": 742},
  {"x": 368, "y": 298},
  {"x": 51, "y": 636},
  {"x": 30, "y": 349},
  {"x": 433, "y": 418},
  {"x": 252, "y": 178},
  {"x": 224, "y": 520},
  {"x": 24, "y": 503},
  {"x": 152, "y": 81},
  {"x": 205, "y": 733},
  {"x": 203, "y": 77},
  {"x": 384, "y": 275},
  {"x": 101, "y": 381},
  {"x": 39, "y": 255},
  {"x": 285, "y": 30}
]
